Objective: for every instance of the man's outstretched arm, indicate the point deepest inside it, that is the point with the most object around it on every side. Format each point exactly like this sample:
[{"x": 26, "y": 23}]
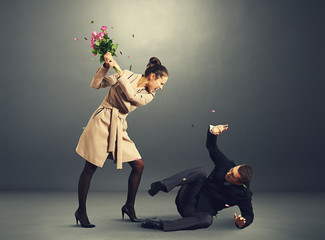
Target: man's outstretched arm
[{"x": 211, "y": 143}]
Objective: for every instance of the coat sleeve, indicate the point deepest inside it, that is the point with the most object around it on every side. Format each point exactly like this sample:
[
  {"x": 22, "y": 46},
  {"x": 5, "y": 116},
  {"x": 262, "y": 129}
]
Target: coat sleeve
[
  {"x": 246, "y": 211},
  {"x": 216, "y": 155},
  {"x": 131, "y": 94},
  {"x": 100, "y": 80}
]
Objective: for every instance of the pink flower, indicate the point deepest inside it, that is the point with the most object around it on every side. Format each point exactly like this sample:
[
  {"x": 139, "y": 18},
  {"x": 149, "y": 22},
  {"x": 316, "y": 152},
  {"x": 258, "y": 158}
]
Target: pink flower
[
  {"x": 76, "y": 39},
  {"x": 227, "y": 205},
  {"x": 213, "y": 110},
  {"x": 101, "y": 35},
  {"x": 112, "y": 27},
  {"x": 94, "y": 33},
  {"x": 128, "y": 56},
  {"x": 109, "y": 72},
  {"x": 92, "y": 40},
  {"x": 103, "y": 28},
  {"x": 95, "y": 54},
  {"x": 83, "y": 59}
]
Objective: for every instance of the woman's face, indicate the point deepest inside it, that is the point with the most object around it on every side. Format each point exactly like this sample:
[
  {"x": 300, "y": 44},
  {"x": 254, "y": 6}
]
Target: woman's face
[{"x": 156, "y": 83}]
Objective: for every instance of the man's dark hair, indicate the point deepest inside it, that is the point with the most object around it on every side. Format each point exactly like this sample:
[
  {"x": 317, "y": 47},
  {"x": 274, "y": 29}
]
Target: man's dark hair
[{"x": 246, "y": 172}]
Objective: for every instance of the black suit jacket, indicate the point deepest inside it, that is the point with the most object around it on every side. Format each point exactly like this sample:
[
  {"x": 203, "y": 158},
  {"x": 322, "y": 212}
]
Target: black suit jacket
[{"x": 216, "y": 192}]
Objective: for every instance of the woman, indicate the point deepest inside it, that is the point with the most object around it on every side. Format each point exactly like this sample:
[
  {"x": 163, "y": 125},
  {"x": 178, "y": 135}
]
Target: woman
[{"x": 105, "y": 135}]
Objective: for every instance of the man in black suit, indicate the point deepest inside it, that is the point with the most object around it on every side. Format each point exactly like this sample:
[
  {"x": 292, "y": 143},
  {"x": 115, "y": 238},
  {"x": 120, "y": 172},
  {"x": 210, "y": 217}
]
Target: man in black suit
[{"x": 201, "y": 197}]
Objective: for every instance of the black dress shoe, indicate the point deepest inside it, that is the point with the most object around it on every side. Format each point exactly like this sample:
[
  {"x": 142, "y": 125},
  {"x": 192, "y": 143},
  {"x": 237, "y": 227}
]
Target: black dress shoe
[
  {"x": 152, "y": 223},
  {"x": 155, "y": 187}
]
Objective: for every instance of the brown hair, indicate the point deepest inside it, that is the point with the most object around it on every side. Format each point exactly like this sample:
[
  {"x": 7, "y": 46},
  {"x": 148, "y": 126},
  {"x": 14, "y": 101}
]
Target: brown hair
[
  {"x": 246, "y": 172},
  {"x": 154, "y": 66}
]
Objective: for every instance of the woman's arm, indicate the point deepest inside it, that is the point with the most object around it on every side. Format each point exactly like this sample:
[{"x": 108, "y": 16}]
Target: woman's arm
[
  {"x": 123, "y": 79},
  {"x": 100, "y": 80},
  {"x": 131, "y": 94}
]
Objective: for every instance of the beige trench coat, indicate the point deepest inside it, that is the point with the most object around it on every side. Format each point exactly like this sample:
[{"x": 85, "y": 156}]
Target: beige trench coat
[{"x": 105, "y": 134}]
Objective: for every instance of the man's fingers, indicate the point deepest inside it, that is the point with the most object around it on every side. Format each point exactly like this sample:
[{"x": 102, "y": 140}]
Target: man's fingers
[{"x": 235, "y": 216}]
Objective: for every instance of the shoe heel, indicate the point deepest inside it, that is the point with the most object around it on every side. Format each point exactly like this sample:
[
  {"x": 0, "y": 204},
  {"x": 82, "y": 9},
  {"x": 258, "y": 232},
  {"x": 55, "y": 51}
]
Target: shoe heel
[
  {"x": 123, "y": 214},
  {"x": 76, "y": 220}
]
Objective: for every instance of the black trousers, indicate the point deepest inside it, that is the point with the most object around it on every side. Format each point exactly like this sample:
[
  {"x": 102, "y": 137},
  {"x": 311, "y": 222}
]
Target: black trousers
[{"x": 191, "y": 181}]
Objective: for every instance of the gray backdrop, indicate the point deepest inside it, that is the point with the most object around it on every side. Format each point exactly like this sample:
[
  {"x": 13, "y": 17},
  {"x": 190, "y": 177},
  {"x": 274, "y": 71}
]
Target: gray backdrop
[{"x": 257, "y": 63}]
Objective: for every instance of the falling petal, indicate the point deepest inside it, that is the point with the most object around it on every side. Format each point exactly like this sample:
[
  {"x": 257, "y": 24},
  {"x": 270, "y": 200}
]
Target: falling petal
[
  {"x": 227, "y": 205},
  {"x": 76, "y": 39},
  {"x": 112, "y": 27},
  {"x": 121, "y": 52},
  {"x": 184, "y": 179},
  {"x": 244, "y": 186},
  {"x": 83, "y": 128},
  {"x": 85, "y": 38},
  {"x": 109, "y": 71},
  {"x": 213, "y": 110},
  {"x": 192, "y": 125},
  {"x": 128, "y": 56},
  {"x": 91, "y": 22},
  {"x": 83, "y": 59},
  {"x": 130, "y": 67}
]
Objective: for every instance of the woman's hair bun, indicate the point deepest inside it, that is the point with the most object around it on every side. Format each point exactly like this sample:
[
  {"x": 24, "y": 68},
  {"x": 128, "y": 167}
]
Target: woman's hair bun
[{"x": 153, "y": 61}]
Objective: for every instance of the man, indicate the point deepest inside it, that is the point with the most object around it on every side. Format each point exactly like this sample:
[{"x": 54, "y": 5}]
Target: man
[{"x": 200, "y": 197}]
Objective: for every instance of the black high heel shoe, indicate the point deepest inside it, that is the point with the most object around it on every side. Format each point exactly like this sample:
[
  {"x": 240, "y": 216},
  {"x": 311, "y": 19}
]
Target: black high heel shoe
[
  {"x": 84, "y": 223},
  {"x": 132, "y": 217}
]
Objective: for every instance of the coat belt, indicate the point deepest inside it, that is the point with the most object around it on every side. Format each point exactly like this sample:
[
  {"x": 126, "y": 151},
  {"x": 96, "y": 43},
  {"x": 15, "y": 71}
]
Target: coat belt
[{"x": 115, "y": 140}]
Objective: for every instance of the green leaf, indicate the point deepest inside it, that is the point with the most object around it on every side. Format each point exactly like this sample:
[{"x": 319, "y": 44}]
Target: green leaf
[
  {"x": 97, "y": 43},
  {"x": 106, "y": 36},
  {"x": 132, "y": 35},
  {"x": 131, "y": 67},
  {"x": 101, "y": 59},
  {"x": 192, "y": 125},
  {"x": 102, "y": 43},
  {"x": 85, "y": 38},
  {"x": 91, "y": 22},
  {"x": 83, "y": 128},
  {"x": 114, "y": 47},
  {"x": 94, "y": 51},
  {"x": 121, "y": 52}
]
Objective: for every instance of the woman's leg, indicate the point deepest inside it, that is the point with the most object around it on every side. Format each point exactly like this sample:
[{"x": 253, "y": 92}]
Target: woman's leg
[
  {"x": 83, "y": 187},
  {"x": 133, "y": 184}
]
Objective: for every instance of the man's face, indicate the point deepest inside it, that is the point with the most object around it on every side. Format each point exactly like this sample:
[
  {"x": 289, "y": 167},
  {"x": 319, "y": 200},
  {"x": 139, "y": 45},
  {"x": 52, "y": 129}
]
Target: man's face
[{"x": 233, "y": 176}]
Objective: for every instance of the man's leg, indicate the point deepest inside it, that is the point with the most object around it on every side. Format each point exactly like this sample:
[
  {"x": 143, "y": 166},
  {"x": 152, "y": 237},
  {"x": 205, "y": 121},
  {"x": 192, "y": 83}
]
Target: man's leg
[
  {"x": 182, "y": 178},
  {"x": 191, "y": 181},
  {"x": 186, "y": 205},
  {"x": 195, "y": 221}
]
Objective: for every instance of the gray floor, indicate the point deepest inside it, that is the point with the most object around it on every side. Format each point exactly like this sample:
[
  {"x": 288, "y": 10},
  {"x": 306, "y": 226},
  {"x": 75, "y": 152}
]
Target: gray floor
[{"x": 49, "y": 215}]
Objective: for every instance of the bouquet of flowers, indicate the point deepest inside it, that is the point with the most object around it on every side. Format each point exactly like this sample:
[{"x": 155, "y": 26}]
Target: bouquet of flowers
[{"x": 101, "y": 43}]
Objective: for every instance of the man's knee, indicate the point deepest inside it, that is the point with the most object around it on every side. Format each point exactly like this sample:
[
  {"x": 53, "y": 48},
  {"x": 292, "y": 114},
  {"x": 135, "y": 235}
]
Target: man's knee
[{"x": 205, "y": 220}]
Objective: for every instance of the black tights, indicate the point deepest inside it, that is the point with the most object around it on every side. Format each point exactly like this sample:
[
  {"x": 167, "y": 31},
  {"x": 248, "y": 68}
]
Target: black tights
[{"x": 133, "y": 184}]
